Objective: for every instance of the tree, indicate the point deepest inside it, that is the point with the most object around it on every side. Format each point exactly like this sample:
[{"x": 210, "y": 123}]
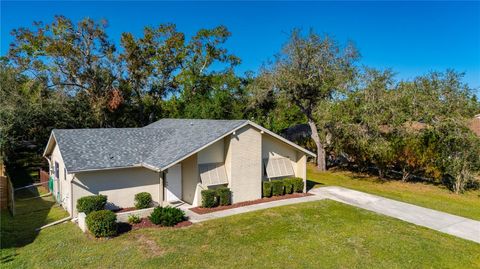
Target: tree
[
  {"x": 309, "y": 70},
  {"x": 152, "y": 63},
  {"x": 74, "y": 59},
  {"x": 209, "y": 86},
  {"x": 28, "y": 112},
  {"x": 458, "y": 151}
]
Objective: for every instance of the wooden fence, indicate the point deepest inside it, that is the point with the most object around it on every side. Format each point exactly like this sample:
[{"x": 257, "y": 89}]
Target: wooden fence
[
  {"x": 44, "y": 177},
  {"x": 6, "y": 192}
]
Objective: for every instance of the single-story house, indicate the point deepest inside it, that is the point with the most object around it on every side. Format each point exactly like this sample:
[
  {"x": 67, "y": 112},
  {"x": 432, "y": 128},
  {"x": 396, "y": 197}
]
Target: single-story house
[{"x": 172, "y": 159}]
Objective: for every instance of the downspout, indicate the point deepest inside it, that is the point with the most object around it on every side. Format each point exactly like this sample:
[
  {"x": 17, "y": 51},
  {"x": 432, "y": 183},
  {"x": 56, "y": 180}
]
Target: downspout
[
  {"x": 71, "y": 195},
  {"x": 160, "y": 187},
  {"x": 53, "y": 223},
  {"x": 49, "y": 164},
  {"x": 49, "y": 175}
]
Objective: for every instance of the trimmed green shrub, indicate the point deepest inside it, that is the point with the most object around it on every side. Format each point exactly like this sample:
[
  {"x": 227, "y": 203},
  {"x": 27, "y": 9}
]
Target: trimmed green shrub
[
  {"x": 224, "y": 195},
  {"x": 134, "y": 219},
  {"x": 288, "y": 184},
  {"x": 102, "y": 223},
  {"x": 167, "y": 216},
  {"x": 143, "y": 200},
  {"x": 297, "y": 184},
  {"x": 267, "y": 189},
  {"x": 208, "y": 198},
  {"x": 88, "y": 204},
  {"x": 277, "y": 187}
]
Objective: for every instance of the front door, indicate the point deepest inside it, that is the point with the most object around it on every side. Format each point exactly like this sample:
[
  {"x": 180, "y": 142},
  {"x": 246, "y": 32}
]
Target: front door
[{"x": 173, "y": 183}]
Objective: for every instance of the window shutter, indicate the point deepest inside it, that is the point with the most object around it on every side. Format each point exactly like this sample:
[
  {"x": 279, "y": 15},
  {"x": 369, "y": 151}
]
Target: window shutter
[{"x": 278, "y": 167}]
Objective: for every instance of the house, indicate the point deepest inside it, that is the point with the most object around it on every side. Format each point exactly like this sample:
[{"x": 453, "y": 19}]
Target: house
[
  {"x": 172, "y": 159},
  {"x": 475, "y": 125}
]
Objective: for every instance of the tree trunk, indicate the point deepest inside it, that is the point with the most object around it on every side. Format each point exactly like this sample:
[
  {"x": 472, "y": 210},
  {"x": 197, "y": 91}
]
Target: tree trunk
[
  {"x": 405, "y": 175},
  {"x": 321, "y": 165}
]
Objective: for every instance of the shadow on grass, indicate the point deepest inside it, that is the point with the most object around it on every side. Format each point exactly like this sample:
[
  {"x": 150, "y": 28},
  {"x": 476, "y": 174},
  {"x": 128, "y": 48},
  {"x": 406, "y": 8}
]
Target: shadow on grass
[
  {"x": 311, "y": 184},
  {"x": 123, "y": 227},
  {"x": 31, "y": 213}
]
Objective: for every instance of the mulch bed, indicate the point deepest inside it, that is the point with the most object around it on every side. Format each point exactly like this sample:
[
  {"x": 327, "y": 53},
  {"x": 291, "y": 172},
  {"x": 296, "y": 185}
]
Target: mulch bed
[
  {"x": 124, "y": 227},
  {"x": 204, "y": 210},
  {"x": 146, "y": 223}
]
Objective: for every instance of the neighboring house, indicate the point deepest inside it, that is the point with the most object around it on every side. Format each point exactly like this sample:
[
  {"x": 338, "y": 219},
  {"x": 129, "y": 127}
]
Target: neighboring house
[
  {"x": 172, "y": 159},
  {"x": 475, "y": 125}
]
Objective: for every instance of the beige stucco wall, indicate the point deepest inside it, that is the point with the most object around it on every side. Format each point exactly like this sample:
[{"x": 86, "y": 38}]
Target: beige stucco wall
[
  {"x": 228, "y": 157},
  {"x": 301, "y": 165},
  {"x": 190, "y": 178},
  {"x": 120, "y": 185},
  {"x": 301, "y": 168},
  {"x": 274, "y": 148},
  {"x": 212, "y": 154},
  {"x": 62, "y": 185},
  {"x": 245, "y": 167}
]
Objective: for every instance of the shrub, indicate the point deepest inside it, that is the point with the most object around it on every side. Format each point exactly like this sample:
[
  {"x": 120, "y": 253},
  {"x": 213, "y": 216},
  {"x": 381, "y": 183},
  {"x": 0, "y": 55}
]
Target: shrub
[
  {"x": 297, "y": 184},
  {"x": 102, "y": 223},
  {"x": 224, "y": 195},
  {"x": 143, "y": 200},
  {"x": 167, "y": 216},
  {"x": 277, "y": 187},
  {"x": 208, "y": 198},
  {"x": 88, "y": 204},
  {"x": 267, "y": 189},
  {"x": 134, "y": 219},
  {"x": 288, "y": 184}
]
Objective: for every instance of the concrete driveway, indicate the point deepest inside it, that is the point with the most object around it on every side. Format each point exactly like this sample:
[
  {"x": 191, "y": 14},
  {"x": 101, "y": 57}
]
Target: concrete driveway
[{"x": 447, "y": 223}]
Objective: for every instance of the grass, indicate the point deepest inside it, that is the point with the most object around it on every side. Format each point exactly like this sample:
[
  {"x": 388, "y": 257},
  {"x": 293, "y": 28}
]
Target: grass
[
  {"x": 30, "y": 214},
  {"x": 427, "y": 195},
  {"x": 322, "y": 234}
]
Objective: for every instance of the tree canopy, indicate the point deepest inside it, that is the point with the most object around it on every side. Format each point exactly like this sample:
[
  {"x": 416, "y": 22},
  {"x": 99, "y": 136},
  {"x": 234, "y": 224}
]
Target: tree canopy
[{"x": 72, "y": 75}]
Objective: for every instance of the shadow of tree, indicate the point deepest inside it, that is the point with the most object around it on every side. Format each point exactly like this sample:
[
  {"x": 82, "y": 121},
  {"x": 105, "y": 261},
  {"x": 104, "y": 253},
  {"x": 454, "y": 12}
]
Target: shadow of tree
[
  {"x": 21, "y": 176},
  {"x": 31, "y": 213}
]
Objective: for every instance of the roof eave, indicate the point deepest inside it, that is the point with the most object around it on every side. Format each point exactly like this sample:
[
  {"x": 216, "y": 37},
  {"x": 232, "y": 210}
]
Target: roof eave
[
  {"x": 282, "y": 139},
  {"x": 143, "y": 165},
  {"x": 47, "y": 147}
]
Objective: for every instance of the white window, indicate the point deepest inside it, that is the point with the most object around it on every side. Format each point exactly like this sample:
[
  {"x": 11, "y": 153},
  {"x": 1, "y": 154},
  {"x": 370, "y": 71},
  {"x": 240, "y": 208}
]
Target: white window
[
  {"x": 212, "y": 174},
  {"x": 278, "y": 167}
]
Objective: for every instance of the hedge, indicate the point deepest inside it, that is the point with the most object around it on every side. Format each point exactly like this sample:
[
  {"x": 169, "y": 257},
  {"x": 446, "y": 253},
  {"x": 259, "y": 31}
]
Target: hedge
[
  {"x": 277, "y": 187},
  {"x": 267, "y": 189},
  {"x": 288, "y": 184},
  {"x": 297, "y": 184},
  {"x": 208, "y": 198},
  {"x": 143, "y": 200},
  {"x": 167, "y": 216},
  {"x": 88, "y": 204},
  {"x": 224, "y": 195},
  {"x": 102, "y": 223}
]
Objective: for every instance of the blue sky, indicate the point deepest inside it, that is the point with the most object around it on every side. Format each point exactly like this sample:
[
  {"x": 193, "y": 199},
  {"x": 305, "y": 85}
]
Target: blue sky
[{"x": 412, "y": 38}]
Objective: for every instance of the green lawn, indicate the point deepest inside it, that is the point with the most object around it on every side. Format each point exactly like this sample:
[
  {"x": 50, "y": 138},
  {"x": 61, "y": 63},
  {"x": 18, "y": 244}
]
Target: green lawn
[
  {"x": 422, "y": 194},
  {"x": 30, "y": 214},
  {"x": 323, "y": 234}
]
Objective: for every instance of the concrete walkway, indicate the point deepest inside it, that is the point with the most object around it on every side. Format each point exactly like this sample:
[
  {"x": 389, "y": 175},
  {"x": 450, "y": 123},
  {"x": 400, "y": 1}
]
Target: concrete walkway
[
  {"x": 194, "y": 217},
  {"x": 436, "y": 220}
]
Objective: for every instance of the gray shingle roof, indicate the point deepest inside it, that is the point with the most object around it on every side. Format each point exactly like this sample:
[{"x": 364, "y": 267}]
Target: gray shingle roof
[{"x": 157, "y": 145}]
